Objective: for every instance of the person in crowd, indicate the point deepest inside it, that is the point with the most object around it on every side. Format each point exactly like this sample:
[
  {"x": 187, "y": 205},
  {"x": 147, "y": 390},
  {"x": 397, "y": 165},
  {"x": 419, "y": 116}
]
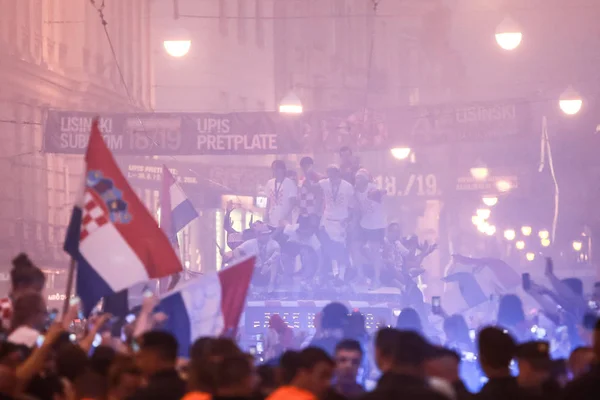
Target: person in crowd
[
  {"x": 281, "y": 196},
  {"x": 25, "y": 277},
  {"x": 559, "y": 372},
  {"x": 311, "y": 379},
  {"x": 310, "y": 195},
  {"x": 457, "y": 334},
  {"x": 348, "y": 359},
  {"x": 205, "y": 355},
  {"x": 596, "y": 296},
  {"x": 444, "y": 364},
  {"x": 511, "y": 317},
  {"x": 349, "y": 164},
  {"x": 496, "y": 351},
  {"x": 267, "y": 252},
  {"x": 339, "y": 199},
  {"x": 580, "y": 361},
  {"x": 234, "y": 378},
  {"x": 587, "y": 386},
  {"x": 300, "y": 240},
  {"x": 123, "y": 378},
  {"x": 334, "y": 322},
  {"x": 372, "y": 223},
  {"x": 279, "y": 338},
  {"x": 267, "y": 381},
  {"x": 535, "y": 368},
  {"x": 401, "y": 358},
  {"x": 409, "y": 320},
  {"x": 28, "y": 319},
  {"x": 157, "y": 360}
]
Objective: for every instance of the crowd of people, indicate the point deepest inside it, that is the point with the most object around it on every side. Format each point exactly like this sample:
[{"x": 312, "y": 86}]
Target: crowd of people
[
  {"x": 46, "y": 356},
  {"x": 328, "y": 230}
]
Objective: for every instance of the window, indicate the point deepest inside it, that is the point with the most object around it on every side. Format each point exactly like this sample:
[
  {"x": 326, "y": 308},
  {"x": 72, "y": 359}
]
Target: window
[
  {"x": 259, "y": 24},
  {"x": 223, "y": 21},
  {"x": 241, "y": 21}
]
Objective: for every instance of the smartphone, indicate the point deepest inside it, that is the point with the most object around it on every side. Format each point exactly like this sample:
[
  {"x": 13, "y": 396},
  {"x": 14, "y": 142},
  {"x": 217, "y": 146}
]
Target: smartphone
[
  {"x": 130, "y": 318},
  {"x": 253, "y": 350},
  {"x": 135, "y": 346},
  {"x": 74, "y": 300},
  {"x": 72, "y": 338},
  {"x": 148, "y": 293},
  {"x": 436, "y": 304},
  {"x": 593, "y": 305},
  {"x": 472, "y": 334},
  {"x": 260, "y": 348},
  {"x": 40, "y": 340},
  {"x": 526, "y": 281}
]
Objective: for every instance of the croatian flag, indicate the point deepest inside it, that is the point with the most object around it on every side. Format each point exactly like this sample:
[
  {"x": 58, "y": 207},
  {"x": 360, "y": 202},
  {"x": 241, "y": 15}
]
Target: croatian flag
[
  {"x": 112, "y": 236},
  {"x": 176, "y": 210},
  {"x": 210, "y": 305}
]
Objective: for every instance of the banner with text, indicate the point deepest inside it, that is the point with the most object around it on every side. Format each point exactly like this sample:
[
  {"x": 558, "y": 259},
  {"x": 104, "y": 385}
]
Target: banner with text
[{"x": 274, "y": 133}]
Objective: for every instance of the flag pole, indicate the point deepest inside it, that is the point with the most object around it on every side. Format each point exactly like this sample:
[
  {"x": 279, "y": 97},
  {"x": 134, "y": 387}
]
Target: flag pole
[{"x": 69, "y": 288}]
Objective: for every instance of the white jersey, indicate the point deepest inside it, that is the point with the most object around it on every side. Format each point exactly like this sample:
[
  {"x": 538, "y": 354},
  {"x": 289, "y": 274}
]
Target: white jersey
[
  {"x": 338, "y": 200},
  {"x": 372, "y": 215},
  {"x": 279, "y": 197}
]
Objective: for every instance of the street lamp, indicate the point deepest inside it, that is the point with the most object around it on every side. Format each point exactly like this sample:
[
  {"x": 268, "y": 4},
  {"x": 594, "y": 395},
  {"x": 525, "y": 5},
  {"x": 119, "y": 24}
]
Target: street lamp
[
  {"x": 545, "y": 242},
  {"x": 490, "y": 201},
  {"x": 479, "y": 173},
  {"x": 291, "y": 104},
  {"x": 544, "y": 234},
  {"x": 400, "y": 153},
  {"x": 510, "y": 234},
  {"x": 570, "y": 101},
  {"x": 526, "y": 230},
  {"x": 508, "y": 34},
  {"x": 520, "y": 245},
  {"x": 530, "y": 256},
  {"x": 177, "y": 48},
  {"x": 577, "y": 245}
]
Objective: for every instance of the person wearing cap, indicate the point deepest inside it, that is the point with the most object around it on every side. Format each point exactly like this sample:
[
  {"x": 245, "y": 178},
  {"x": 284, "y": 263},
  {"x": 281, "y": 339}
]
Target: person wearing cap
[
  {"x": 267, "y": 252},
  {"x": 339, "y": 199},
  {"x": 535, "y": 367},
  {"x": 281, "y": 196},
  {"x": 587, "y": 387},
  {"x": 372, "y": 222}
]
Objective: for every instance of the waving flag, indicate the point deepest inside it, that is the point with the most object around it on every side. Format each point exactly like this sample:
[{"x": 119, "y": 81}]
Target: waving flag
[
  {"x": 111, "y": 235},
  {"x": 210, "y": 305},
  {"x": 176, "y": 210}
]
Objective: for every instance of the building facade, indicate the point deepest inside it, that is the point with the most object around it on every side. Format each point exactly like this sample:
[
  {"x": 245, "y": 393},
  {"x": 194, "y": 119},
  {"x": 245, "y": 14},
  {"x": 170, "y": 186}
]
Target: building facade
[{"x": 54, "y": 54}]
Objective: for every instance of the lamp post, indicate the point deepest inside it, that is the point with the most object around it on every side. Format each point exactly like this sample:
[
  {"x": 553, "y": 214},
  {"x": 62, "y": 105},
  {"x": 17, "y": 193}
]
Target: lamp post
[
  {"x": 570, "y": 102},
  {"x": 508, "y": 34},
  {"x": 291, "y": 104}
]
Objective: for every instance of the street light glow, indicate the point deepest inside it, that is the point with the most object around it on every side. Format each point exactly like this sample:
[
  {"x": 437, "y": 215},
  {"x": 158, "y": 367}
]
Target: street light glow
[
  {"x": 544, "y": 234},
  {"x": 484, "y": 213},
  {"x": 490, "y": 201},
  {"x": 520, "y": 244},
  {"x": 400, "y": 153},
  {"x": 508, "y": 35},
  {"x": 545, "y": 242},
  {"x": 479, "y": 173},
  {"x": 490, "y": 230},
  {"x": 570, "y": 101},
  {"x": 291, "y": 104},
  {"x": 526, "y": 230},
  {"x": 530, "y": 256},
  {"x": 510, "y": 234},
  {"x": 177, "y": 48},
  {"x": 577, "y": 245},
  {"x": 503, "y": 186}
]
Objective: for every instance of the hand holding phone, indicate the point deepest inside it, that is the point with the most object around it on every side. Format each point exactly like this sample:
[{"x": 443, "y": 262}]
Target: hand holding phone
[
  {"x": 549, "y": 267},
  {"x": 436, "y": 305},
  {"x": 526, "y": 281}
]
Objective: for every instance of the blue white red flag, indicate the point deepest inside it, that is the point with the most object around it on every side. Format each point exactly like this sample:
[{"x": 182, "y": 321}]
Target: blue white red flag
[
  {"x": 176, "y": 210},
  {"x": 210, "y": 305},
  {"x": 113, "y": 238}
]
